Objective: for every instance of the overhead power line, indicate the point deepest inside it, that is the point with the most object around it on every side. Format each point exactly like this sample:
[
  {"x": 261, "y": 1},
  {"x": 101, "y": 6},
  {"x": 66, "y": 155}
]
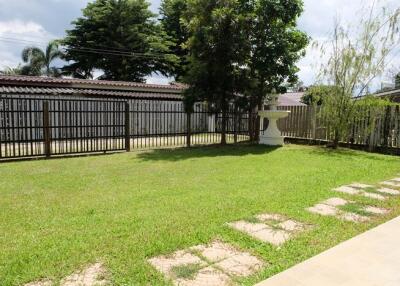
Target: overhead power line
[{"x": 93, "y": 50}]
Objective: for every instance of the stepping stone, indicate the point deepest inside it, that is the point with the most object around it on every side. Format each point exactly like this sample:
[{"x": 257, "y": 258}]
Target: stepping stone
[
  {"x": 216, "y": 251},
  {"x": 214, "y": 263},
  {"x": 348, "y": 190},
  {"x": 240, "y": 265},
  {"x": 335, "y": 202},
  {"x": 276, "y": 237},
  {"x": 360, "y": 186},
  {"x": 391, "y": 183},
  {"x": 388, "y": 191},
  {"x": 268, "y": 217},
  {"x": 291, "y": 225},
  {"x": 353, "y": 217},
  {"x": 40, "y": 283},
  {"x": 376, "y": 210},
  {"x": 94, "y": 275},
  {"x": 208, "y": 276},
  {"x": 396, "y": 180},
  {"x": 165, "y": 264},
  {"x": 262, "y": 232},
  {"x": 323, "y": 209},
  {"x": 357, "y": 191},
  {"x": 374, "y": 196}
]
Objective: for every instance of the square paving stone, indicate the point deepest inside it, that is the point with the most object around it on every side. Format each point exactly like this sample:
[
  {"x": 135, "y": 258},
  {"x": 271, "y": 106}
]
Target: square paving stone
[
  {"x": 291, "y": 225},
  {"x": 262, "y": 232},
  {"x": 360, "y": 186},
  {"x": 93, "y": 275},
  {"x": 391, "y": 183},
  {"x": 376, "y": 210},
  {"x": 323, "y": 209},
  {"x": 216, "y": 262},
  {"x": 165, "y": 264},
  {"x": 246, "y": 226},
  {"x": 269, "y": 217},
  {"x": 388, "y": 191},
  {"x": 216, "y": 251},
  {"x": 347, "y": 190},
  {"x": 40, "y": 283},
  {"x": 242, "y": 264},
  {"x": 374, "y": 196},
  {"x": 335, "y": 202},
  {"x": 208, "y": 276},
  {"x": 353, "y": 217},
  {"x": 276, "y": 237}
]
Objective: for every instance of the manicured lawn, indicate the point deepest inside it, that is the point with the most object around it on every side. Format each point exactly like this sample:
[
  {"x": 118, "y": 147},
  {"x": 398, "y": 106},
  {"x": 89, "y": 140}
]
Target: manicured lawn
[{"x": 59, "y": 215}]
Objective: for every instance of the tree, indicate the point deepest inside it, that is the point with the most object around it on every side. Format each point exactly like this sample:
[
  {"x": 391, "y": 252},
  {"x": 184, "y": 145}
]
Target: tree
[
  {"x": 315, "y": 94},
  {"x": 354, "y": 61},
  {"x": 275, "y": 46},
  {"x": 172, "y": 14},
  {"x": 39, "y": 62},
  {"x": 120, "y": 38},
  {"x": 216, "y": 54}
]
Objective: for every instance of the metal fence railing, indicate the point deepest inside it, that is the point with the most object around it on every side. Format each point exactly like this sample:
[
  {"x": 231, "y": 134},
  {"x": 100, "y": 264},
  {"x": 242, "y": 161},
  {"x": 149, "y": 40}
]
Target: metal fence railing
[{"x": 49, "y": 126}]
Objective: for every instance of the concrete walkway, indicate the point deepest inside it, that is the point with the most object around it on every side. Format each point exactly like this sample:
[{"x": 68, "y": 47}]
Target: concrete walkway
[{"x": 369, "y": 259}]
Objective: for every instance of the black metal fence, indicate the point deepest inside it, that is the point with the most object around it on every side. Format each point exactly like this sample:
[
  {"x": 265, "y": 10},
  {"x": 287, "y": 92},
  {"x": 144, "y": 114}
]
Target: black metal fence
[{"x": 51, "y": 126}]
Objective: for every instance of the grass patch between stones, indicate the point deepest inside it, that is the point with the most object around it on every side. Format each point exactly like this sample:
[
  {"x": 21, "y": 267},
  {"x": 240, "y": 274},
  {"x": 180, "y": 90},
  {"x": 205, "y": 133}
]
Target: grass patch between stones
[{"x": 187, "y": 271}]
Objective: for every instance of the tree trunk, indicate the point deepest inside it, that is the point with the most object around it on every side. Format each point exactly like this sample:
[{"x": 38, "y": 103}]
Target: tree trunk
[{"x": 335, "y": 142}]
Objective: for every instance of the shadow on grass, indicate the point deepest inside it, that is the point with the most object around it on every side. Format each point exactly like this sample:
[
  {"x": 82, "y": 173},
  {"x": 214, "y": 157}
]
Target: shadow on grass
[
  {"x": 205, "y": 151},
  {"x": 346, "y": 153}
]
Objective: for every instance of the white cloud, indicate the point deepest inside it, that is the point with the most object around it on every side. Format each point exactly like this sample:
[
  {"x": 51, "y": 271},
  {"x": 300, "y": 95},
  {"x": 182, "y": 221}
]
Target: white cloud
[
  {"x": 15, "y": 35},
  {"x": 317, "y": 21},
  {"x": 20, "y": 27}
]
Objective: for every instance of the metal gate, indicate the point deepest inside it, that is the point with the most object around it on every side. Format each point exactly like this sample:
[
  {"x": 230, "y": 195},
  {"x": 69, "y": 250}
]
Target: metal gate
[{"x": 34, "y": 127}]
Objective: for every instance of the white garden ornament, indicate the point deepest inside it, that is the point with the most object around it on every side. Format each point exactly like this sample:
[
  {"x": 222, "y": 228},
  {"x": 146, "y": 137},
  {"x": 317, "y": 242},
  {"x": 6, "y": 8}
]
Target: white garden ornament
[{"x": 272, "y": 136}]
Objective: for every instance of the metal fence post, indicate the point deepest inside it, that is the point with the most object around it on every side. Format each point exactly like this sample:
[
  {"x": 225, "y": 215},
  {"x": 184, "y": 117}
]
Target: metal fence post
[
  {"x": 235, "y": 133},
  {"x": 188, "y": 128},
  {"x": 127, "y": 128},
  {"x": 46, "y": 129}
]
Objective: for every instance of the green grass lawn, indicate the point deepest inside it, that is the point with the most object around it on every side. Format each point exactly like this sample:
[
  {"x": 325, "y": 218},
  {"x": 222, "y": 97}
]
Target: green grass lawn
[{"x": 59, "y": 215}]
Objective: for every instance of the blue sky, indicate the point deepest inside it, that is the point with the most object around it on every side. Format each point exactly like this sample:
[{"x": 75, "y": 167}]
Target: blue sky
[{"x": 35, "y": 21}]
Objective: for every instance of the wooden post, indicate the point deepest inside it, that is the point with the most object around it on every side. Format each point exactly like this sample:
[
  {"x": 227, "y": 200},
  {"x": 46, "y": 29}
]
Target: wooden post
[
  {"x": 46, "y": 129},
  {"x": 188, "y": 128},
  {"x": 127, "y": 128},
  {"x": 313, "y": 123}
]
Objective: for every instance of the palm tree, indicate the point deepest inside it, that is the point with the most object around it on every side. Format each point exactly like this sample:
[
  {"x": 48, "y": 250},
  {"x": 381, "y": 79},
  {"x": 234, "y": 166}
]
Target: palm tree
[
  {"x": 39, "y": 61},
  {"x": 12, "y": 71}
]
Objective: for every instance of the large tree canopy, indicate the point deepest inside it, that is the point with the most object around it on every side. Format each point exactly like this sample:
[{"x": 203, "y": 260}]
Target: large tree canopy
[
  {"x": 242, "y": 47},
  {"x": 217, "y": 51},
  {"x": 276, "y": 46},
  {"x": 172, "y": 13},
  {"x": 120, "y": 38}
]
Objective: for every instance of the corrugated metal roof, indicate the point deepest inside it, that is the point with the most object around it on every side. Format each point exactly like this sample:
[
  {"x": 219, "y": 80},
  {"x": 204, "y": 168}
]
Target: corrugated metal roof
[
  {"x": 63, "y": 81},
  {"x": 291, "y": 99},
  {"x": 93, "y": 92}
]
